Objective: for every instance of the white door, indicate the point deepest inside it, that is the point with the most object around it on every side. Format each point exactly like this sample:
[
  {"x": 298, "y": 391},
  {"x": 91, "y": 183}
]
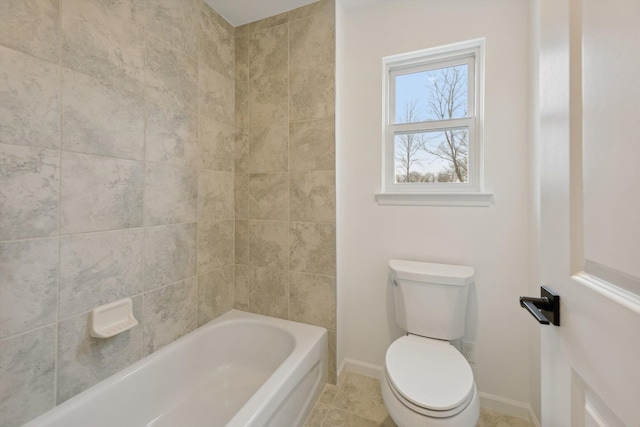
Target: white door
[{"x": 590, "y": 210}]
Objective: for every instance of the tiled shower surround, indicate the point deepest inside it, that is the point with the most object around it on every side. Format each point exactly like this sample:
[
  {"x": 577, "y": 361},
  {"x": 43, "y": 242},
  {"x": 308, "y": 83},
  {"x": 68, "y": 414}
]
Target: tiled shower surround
[
  {"x": 285, "y": 168},
  {"x": 126, "y": 170}
]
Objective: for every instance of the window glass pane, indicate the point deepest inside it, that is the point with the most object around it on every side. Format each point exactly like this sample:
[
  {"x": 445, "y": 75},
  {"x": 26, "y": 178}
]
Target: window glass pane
[
  {"x": 438, "y": 94},
  {"x": 437, "y": 156}
]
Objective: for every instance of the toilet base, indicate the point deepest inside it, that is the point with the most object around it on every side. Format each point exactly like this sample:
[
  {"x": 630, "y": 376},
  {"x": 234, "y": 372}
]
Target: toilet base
[{"x": 405, "y": 417}]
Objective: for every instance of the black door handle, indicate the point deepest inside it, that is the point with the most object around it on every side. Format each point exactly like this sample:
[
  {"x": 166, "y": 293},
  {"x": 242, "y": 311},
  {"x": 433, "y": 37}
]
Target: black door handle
[
  {"x": 531, "y": 304},
  {"x": 545, "y": 309}
]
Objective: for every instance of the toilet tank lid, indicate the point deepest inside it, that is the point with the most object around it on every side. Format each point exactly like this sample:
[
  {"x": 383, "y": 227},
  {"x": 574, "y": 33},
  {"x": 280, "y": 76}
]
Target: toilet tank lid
[{"x": 445, "y": 274}]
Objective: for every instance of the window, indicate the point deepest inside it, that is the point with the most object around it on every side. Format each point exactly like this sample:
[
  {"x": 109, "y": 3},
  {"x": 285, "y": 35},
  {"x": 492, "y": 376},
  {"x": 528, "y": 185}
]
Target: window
[{"x": 432, "y": 131}]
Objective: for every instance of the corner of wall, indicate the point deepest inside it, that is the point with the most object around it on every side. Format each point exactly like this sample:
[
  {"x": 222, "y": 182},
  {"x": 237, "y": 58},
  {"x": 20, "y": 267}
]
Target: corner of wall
[{"x": 340, "y": 288}]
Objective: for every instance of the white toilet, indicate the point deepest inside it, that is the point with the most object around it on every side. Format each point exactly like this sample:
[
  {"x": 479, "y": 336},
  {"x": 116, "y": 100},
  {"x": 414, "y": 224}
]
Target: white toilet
[{"x": 427, "y": 382}]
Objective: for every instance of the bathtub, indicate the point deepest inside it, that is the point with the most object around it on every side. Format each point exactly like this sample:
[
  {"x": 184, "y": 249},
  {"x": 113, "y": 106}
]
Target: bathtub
[{"x": 238, "y": 370}]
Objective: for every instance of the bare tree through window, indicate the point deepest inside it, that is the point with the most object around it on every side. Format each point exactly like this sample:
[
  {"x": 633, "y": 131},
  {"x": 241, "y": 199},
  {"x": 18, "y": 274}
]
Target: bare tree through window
[
  {"x": 433, "y": 156},
  {"x": 409, "y": 147},
  {"x": 448, "y": 100}
]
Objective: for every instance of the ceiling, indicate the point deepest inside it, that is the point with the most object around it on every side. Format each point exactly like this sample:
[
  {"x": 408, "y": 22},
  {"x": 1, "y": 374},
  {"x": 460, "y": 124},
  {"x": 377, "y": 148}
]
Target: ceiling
[
  {"x": 354, "y": 4},
  {"x": 239, "y": 12}
]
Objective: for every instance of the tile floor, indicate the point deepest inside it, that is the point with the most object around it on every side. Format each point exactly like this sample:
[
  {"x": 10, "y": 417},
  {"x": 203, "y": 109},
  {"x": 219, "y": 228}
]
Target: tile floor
[{"x": 357, "y": 402}]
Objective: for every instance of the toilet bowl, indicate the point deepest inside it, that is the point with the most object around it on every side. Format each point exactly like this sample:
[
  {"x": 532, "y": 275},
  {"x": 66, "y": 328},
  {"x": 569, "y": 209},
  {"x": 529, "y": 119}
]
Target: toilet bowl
[{"x": 427, "y": 382}]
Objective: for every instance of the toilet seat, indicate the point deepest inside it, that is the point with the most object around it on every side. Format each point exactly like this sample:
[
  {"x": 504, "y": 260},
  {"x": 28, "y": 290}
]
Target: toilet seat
[
  {"x": 428, "y": 412},
  {"x": 429, "y": 376}
]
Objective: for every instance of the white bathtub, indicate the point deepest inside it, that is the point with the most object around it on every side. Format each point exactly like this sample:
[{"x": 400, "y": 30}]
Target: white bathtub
[{"x": 238, "y": 370}]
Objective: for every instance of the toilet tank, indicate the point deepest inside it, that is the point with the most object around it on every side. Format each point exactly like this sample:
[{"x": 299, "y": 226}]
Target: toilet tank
[{"x": 431, "y": 299}]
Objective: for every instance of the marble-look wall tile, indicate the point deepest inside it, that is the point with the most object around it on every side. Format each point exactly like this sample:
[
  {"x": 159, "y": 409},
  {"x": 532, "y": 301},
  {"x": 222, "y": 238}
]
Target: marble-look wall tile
[
  {"x": 29, "y": 192},
  {"x": 216, "y": 96},
  {"x": 241, "y": 151},
  {"x": 103, "y": 119},
  {"x": 31, "y": 26},
  {"x": 268, "y": 196},
  {"x": 242, "y": 104},
  {"x": 242, "y": 242},
  {"x": 215, "y": 245},
  {"x": 242, "y": 56},
  {"x": 332, "y": 368},
  {"x": 312, "y": 93},
  {"x": 28, "y": 285},
  {"x": 170, "y": 72},
  {"x": 169, "y": 313},
  {"x": 171, "y": 133},
  {"x": 98, "y": 268},
  {"x": 268, "y": 52},
  {"x": 312, "y": 145},
  {"x": 313, "y": 299},
  {"x": 100, "y": 193},
  {"x": 30, "y": 98},
  {"x": 244, "y": 277},
  {"x": 27, "y": 369},
  {"x": 172, "y": 115},
  {"x": 241, "y": 196},
  {"x": 130, "y": 86},
  {"x": 268, "y": 101},
  {"x": 312, "y": 41},
  {"x": 312, "y": 196},
  {"x": 269, "y": 293},
  {"x": 291, "y": 133},
  {"x": 216, "y": 145},
  {"x": 215, "y": 294},
  {"x": 215, "y": 42},
  {"x": 312, "y": 248},
  {"x": 175, "y": 23},
  {"x": 322, "y": 6},
  {"x": 105, "y": 40},
  {"x": 268, "y": 149},
  {"x": 215, "y": 195},
  {"x": 242, "y": 30},
  {"x": 84, "y": 361},
  {"x": 219, "y": 20},
  {"x": 269, "y": 244},
  {"x": 171, "y": 194},
  {"x": 170, "y": 254},
  {"x": 271, "y": 21}
]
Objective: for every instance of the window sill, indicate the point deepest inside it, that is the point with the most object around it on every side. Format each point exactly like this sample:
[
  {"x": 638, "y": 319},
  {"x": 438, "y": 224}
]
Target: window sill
[{"x": 435, "y": 199}]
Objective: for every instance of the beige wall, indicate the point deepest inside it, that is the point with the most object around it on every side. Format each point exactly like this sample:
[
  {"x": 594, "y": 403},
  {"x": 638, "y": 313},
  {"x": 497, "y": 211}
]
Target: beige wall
[
  {"x": 116, "y": 155},
  {"x": 285, "y": 168},
  {"x": 494, "y": 240}
]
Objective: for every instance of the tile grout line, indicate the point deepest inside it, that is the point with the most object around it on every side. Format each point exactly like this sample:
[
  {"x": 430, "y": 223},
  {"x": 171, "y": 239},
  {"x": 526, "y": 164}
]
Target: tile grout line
[
  {"x": 144, "y": 182},
  {"x": 198, "y": 164},
  {"x": 59, "y": 236},
  {"x": 288, "y": 169}
]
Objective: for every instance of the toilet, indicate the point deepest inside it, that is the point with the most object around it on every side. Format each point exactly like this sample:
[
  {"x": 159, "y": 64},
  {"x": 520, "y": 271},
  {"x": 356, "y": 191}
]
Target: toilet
[{"x": 427, "y": 382}]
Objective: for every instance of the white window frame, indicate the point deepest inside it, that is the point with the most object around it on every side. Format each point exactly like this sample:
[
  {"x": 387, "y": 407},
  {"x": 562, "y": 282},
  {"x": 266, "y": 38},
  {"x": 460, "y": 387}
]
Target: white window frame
[{"x": 469, "y": 193}]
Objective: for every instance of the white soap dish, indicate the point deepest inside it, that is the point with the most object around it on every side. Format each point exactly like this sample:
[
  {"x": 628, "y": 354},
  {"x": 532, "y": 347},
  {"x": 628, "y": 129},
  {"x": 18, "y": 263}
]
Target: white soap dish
[{"x": 113, "y": 318}]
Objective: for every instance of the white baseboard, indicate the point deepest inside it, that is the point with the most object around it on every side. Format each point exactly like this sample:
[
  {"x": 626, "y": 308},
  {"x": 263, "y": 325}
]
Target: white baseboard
[
  {"x": 507, "y": 406},
  {"x": 500, "y": 404},
  {"x": 358, "y": 367}
]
